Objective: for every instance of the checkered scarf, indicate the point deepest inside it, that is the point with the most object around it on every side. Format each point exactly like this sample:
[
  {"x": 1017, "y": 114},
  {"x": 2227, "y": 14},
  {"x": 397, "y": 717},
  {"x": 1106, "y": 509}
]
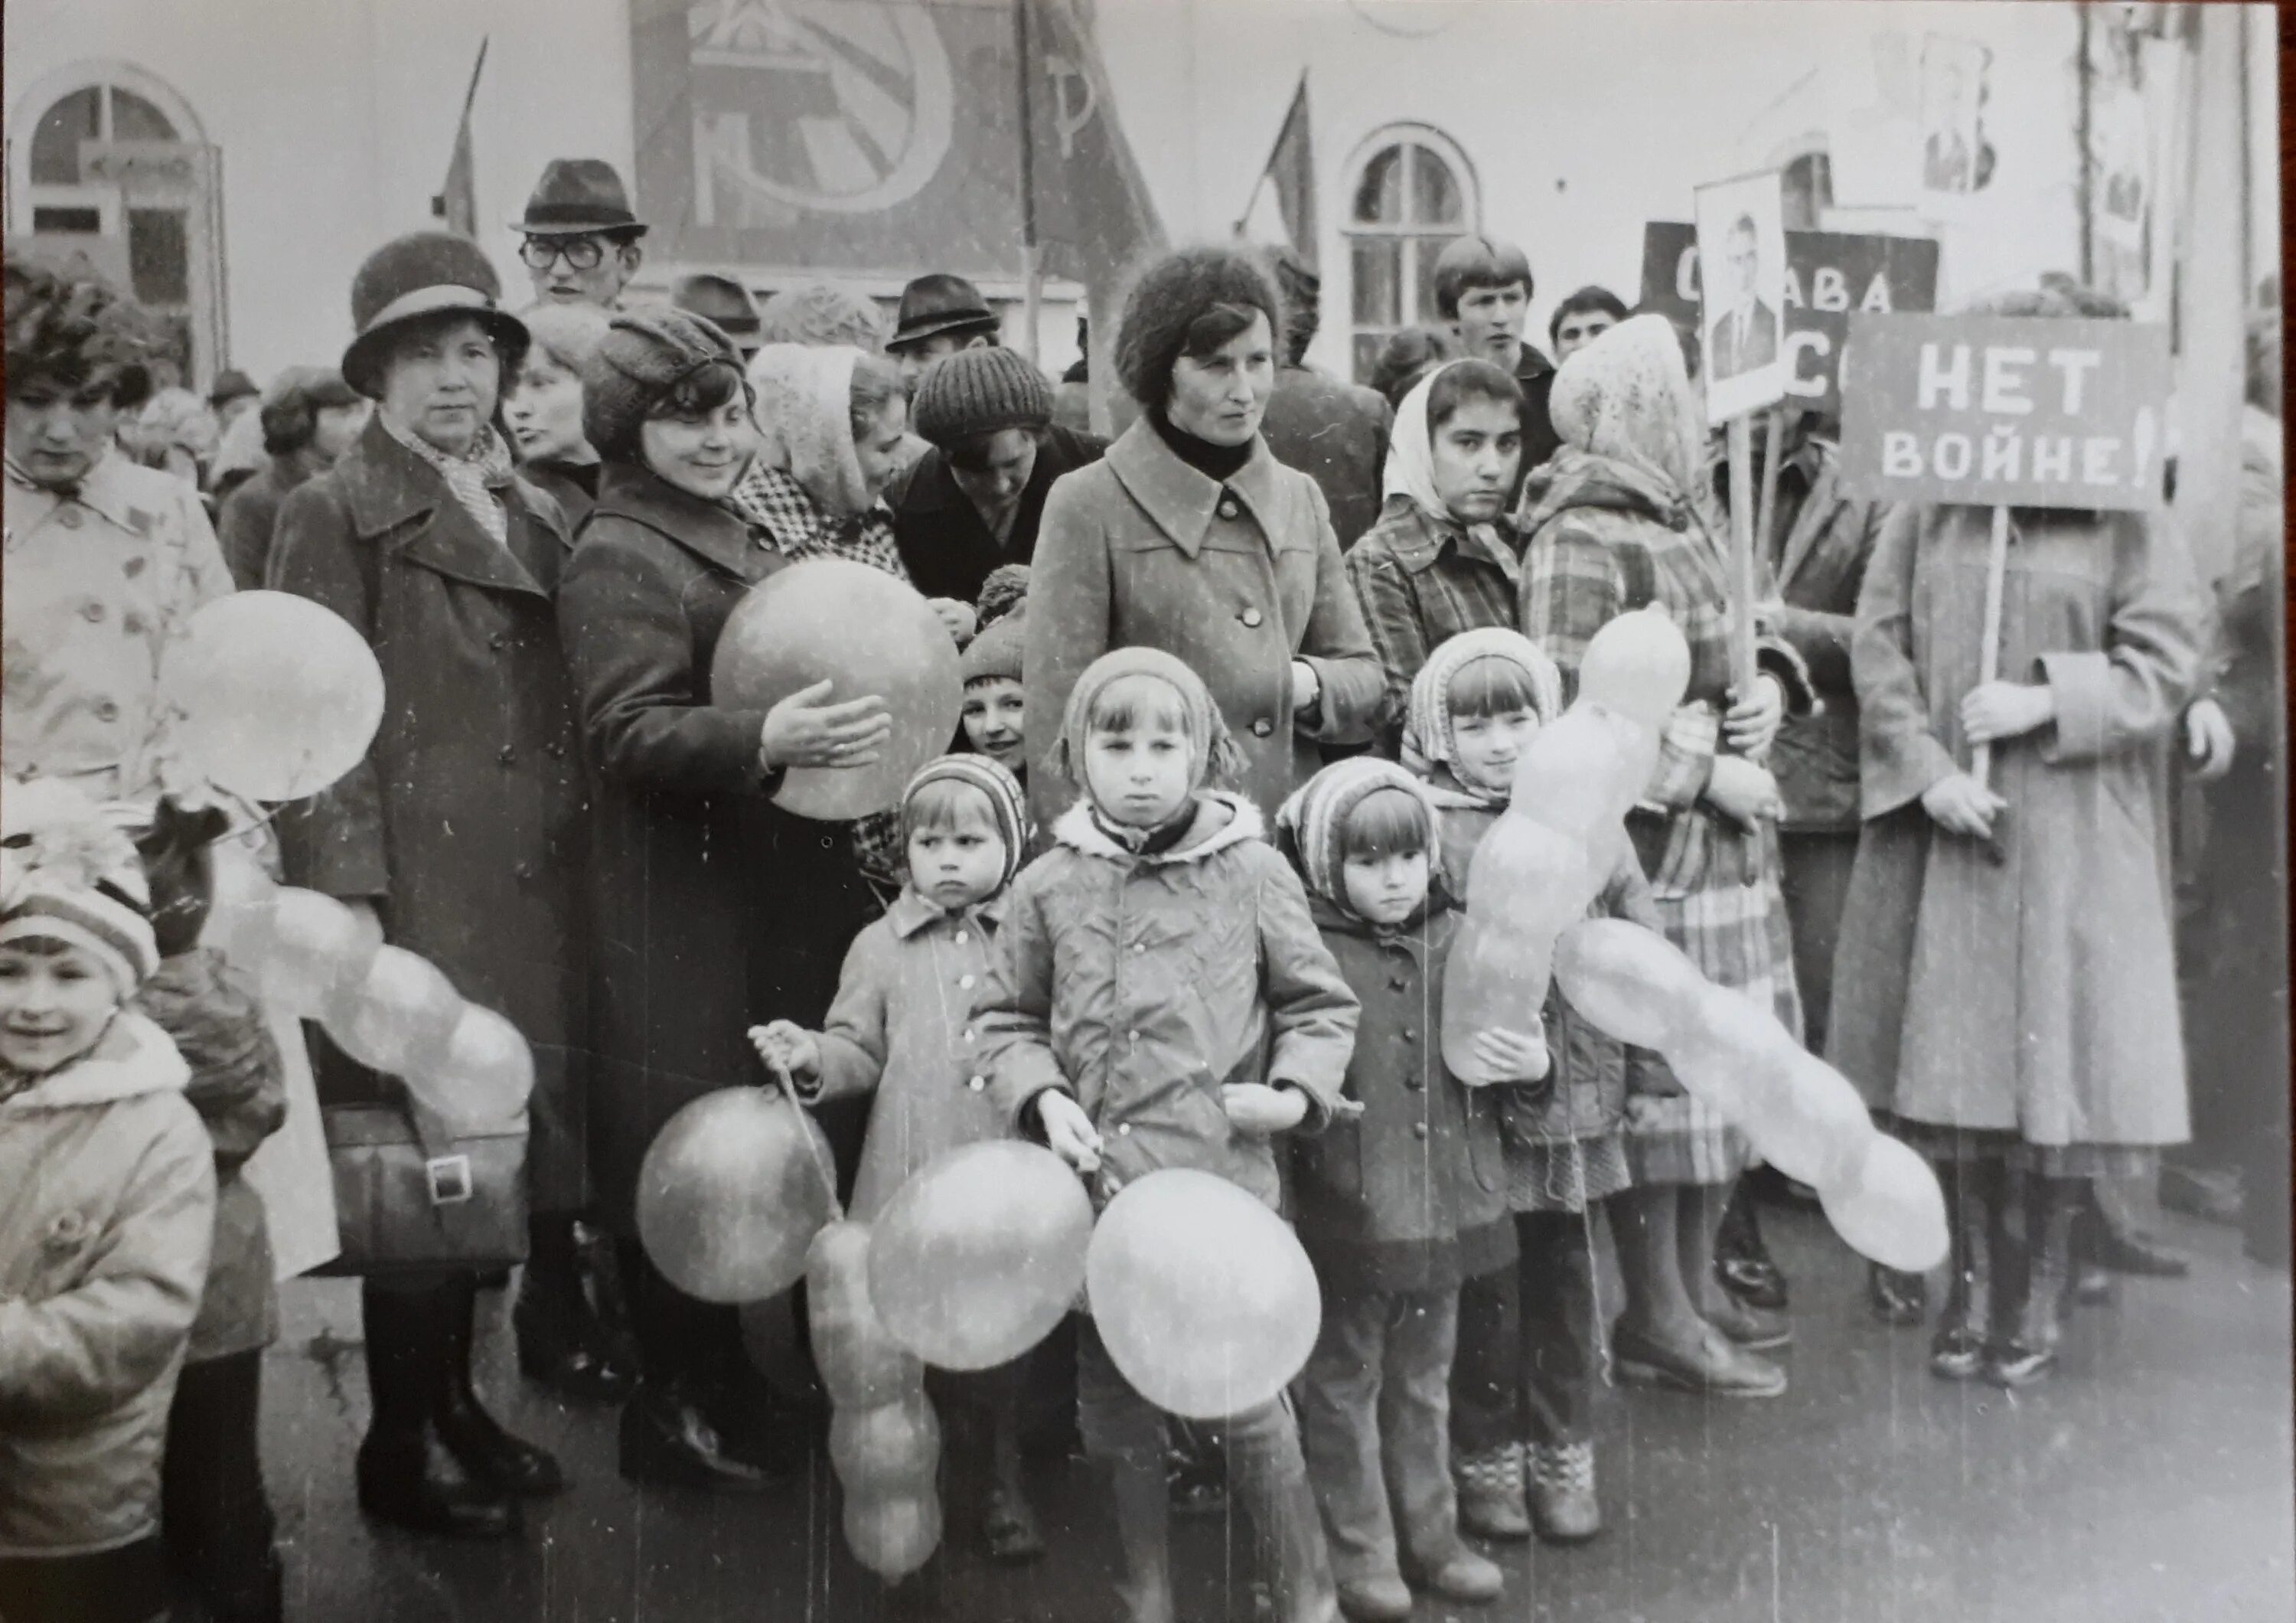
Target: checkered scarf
[{"x": 475, "y": 479}]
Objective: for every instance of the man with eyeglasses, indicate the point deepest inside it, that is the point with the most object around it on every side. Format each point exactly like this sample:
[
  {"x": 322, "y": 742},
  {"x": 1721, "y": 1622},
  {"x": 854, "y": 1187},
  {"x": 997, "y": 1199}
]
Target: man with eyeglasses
[{"x": 581, "y": 239}]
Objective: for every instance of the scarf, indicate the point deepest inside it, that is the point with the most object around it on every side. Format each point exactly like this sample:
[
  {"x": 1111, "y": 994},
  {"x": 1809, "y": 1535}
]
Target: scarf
[
  {"x": 805, "y": 412},
  {"x": 1627, "y": 398},
  {"x": 1411, "y": 464},
  {"x": 1311, "y": 826},
  {"x": 1428, "y": 743},
  {"x": 474, "y": 478}
]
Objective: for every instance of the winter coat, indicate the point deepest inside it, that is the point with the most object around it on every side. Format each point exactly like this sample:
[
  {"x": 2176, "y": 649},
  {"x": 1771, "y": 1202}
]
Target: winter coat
[
  {"x": 2037, "y": 995},
  {"x": 1142, "y": 985},
  {"x": 249, "y": 517},
  {"x": 1237, "y": 580},
  {"x": 465, "y": 824},
  {"x": 1335, "y": 434},
  {"x": 946, "y": 548},
  {"x": 573, "y": 485},
  {"x": 107, "y": 1200},
  {"x": 901, "y": 1029},
  {"x": 98, "y": 586},
  {"x": 239, "y": 1087},
  {"x": 712, "y": 906},
  {"x": 1421, "y": 582},
  {"x": 1410, "y": 1194}
]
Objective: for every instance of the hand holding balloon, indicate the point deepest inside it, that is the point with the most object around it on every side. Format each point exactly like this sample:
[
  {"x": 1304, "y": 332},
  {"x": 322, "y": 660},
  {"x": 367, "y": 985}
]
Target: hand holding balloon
[
  {"x": 1514, "y": 1056},
  {"x": 1069, "y": 1132},
  {"x": 805, "y": 730},
  {"x": 788, "y": 1050}
]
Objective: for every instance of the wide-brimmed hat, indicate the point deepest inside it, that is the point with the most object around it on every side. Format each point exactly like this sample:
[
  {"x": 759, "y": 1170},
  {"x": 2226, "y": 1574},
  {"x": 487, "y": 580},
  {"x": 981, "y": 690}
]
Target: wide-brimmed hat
[
  {"x": 939, "y": 303},
  {"x": 723, "y": 300},
  {"x": 424, "y": 275},
  {"x": 231, "y": 385},
  {"x": 577, "y": 196}
]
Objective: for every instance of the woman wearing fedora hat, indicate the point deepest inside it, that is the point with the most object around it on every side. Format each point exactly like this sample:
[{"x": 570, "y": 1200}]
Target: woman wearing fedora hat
[{"x": 464, "y": 829}]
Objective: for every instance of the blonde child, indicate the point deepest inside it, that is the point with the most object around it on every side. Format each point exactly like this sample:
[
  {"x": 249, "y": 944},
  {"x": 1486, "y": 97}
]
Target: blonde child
[
  {"x": 898, "y": 1029},
  {"x": 1161, "y": 998},
  {"x": 107, "y": 1210},
  {"x": 1399, "y": 1207},
  {"x": 1529, "y": 1342}
]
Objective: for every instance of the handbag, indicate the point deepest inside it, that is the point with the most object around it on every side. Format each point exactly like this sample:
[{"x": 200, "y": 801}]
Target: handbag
[{"x": 413, "y": 1192}]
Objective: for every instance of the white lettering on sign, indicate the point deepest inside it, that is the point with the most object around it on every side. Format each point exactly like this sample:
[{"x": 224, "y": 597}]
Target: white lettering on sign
[
  {"x": 1951, "y": 456},
  {"x": 1901, "y": 455},
  {"x": 1809, "y": 385},
  {"x": 2098, "y": 455},
  {"x": 2052, "y": 459},
  {"x": 1829, "y": 290},
  {"x": 2076, "y": 365},
  {"x": 1953, "y": 384},
  {"x": 2005, "y": 452},
  {"x": 1792, "y": 297},
  {"x": 2004, "y": 382},
  {"x": 1877, "y": 295}
]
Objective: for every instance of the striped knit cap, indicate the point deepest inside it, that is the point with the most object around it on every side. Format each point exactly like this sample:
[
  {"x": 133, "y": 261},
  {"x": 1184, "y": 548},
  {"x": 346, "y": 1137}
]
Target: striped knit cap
[
  {"x": 1312, "y": 826},
  {"x": 1427, "y": 736},
  {"x": 1006, "y": 800},
  {"x": 68, "y": 871}
]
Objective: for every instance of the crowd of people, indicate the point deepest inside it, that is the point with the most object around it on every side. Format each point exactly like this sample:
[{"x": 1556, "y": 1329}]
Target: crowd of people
[{"x": 1243, "y": 690}]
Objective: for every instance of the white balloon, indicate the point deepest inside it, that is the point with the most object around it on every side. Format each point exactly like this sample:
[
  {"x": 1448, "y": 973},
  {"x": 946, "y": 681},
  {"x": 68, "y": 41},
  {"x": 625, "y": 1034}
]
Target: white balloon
[
  {"x": 1891, "y": 1208},
  {"x": 1639, "y": 665},
  {"x": 278, "y": 696}
]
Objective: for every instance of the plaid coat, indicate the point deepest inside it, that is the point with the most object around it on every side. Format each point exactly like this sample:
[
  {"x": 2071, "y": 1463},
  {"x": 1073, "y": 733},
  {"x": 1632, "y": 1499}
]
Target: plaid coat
[{"x": 1421, "y": 583}]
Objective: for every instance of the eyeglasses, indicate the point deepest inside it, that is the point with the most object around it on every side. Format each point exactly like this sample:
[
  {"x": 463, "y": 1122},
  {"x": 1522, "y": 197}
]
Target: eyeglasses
[{"x": 580, "y": 252}]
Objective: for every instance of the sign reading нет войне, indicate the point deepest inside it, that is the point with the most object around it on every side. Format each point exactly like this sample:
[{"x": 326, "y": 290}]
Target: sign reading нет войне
[{"x": 2004, "y": 411}]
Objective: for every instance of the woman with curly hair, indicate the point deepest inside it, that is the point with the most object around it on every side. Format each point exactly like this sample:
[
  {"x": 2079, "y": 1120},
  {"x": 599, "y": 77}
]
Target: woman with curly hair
[{"x": 1190, "y": 536}]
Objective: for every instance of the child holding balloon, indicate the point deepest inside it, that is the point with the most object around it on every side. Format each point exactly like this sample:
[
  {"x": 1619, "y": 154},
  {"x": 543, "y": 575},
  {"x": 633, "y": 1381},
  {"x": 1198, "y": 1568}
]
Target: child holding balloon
[
  {"x": 1400, "y": 1207},
  {"x": 1162, "y": 999},
  {"x": 898, "y": 1029}
]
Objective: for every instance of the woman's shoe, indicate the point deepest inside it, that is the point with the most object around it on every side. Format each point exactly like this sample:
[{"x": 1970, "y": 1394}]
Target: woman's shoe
[
  {"x": 1958, "y": 1353},
  {"x": 1741, "y": 1259},
  {"x": 1491, "y": 1504},
  {"x": 414, "y": 1480},
  {"x": 1756, "y": 1328},
  {"x": 1382, "y": 1598},
  {"x": 1715, "y": 1366},
  {"x": 1898, "y": 1299},
  {"x": 564, "y": 1345},
  {"x": 667, "y": 1439},
  {"x": 1562, "y": 1500},
  {"x": 1466, "y": 1577}
]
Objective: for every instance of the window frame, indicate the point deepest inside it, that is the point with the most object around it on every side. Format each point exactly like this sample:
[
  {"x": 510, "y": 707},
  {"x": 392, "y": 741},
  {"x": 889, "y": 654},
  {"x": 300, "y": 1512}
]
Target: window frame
[{"x": 1404, "y": 134}]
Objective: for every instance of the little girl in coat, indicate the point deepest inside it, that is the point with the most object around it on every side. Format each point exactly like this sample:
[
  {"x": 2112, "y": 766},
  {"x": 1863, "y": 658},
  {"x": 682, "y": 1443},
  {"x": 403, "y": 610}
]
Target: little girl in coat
[
  {"x": 1400, "y": 1206},
  {"x": 899, "y": 1029},
  {"x": 1529, "y": 1342},
  {"x": 1161, "y": 998}
]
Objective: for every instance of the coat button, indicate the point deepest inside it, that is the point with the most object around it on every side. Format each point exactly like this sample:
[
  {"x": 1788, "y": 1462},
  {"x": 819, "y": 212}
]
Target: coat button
[
  {"x": 1125, "y": 1130},
  {"x": 1411, "y": 1033},
  {"x": 1251, "y": 617},
  {"x": 524, "y": 871},
  {"x": 505, "y": 755},
  {"x": 498, "y": 641},
  {"x": 1397, "y": 982},
  {"x": 964, "y": 983},
  {"x": 1132, "y": 1037},
  {"x": 961, "y": 938},
  {"x": 1419, "y": 1130},
  {"x": 556, "y": 750},
  {"x": 1262, "y": 728},
  {"x": 106, "y": 710},
  {"x": 68, "y": 517},
  {"x": 92, "y": 611},
  {"x": 1227, "y": 509},
  {"x": 977, "y": 1083}
]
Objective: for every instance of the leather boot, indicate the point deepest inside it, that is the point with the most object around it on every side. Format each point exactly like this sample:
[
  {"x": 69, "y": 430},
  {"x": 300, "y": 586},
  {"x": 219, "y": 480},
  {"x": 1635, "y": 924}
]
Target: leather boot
[
  {"x": 1964, "y": 1331},
  {"x": 2029, "y": 1353},
  {"x": 563, "y": 1340},
  {"x": 407, "y": 1475},
  {"x": 1741, "y": 1260},
  {"x": 477, "y": 1439}
]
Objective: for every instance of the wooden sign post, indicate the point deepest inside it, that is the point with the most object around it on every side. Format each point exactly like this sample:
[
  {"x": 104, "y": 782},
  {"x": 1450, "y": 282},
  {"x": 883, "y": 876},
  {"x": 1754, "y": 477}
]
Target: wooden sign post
[{"x": 2005, "y": 412}]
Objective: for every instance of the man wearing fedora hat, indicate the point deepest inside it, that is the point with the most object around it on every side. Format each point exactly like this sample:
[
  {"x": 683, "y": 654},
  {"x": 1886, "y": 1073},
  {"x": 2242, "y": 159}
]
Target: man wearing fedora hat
[
  {"x": 941, "y": 314},
  {"x": 724, "y": 301},
  {"x": 581, "y": 239}
]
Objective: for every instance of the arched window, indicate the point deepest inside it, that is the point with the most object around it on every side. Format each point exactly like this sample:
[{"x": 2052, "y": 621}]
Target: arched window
[
  {"x": 1413, "y": 193},
  {"x": 111, "y": 168}
]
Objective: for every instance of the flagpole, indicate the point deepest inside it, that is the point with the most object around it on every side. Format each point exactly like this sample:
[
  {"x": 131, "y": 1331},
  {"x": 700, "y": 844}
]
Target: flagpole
[{"x": 1032, "y": 275}]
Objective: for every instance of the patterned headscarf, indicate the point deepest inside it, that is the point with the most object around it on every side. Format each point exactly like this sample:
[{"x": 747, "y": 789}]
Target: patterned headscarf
[
  {"x": 1213, "y": 756},
  {"x": 1312, "y": 825},
  {"x": 1627, "y": 398},
  {"x": 1006, "y": 800},
  {"x": 475, "y": 477},
  {"x": 1427, "y": 733},
  {"x": 805, "y": 411}
]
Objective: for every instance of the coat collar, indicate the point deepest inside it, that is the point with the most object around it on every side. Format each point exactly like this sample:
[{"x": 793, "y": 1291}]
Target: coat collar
[
  {"x": 1419, "y": 541},
  {"x": 715, "y": 534},
  {"x": 911, "y": 914},
  {"x": 132, "y": 1059},
  {"x": 390, "y": 488},
  {"x": 1180, "y": 501},
  {"x": 124, "y": 495},
  {"x": 1417, "y": 936},
  {"x": 1076, "y": 829}
]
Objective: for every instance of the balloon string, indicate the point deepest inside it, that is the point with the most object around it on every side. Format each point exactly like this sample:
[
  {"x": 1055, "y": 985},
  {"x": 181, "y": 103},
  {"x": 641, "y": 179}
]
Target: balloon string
[{"x": 812, "y": 1136}]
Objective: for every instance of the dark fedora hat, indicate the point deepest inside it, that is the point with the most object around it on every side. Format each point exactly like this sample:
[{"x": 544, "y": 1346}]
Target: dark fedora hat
[
  {"x": 414, "y": 278},
  {"x": 721, "y": 299},
  {"x": 939, "y": 303},
  {"x": 576, "y": 197}
]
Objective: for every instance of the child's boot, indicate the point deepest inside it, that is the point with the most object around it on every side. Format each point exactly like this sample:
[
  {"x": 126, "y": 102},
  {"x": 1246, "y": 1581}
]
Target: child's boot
[
  {"x": 1562, "y": 1500},
  {"x": 1490, "y": 1494},
  {"x": 1958, "y": 1351},
  {"x": 2030, "y": 1354}
]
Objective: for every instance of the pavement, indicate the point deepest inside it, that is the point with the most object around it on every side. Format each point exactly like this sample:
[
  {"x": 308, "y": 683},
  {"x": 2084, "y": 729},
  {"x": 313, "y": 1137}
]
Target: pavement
[{"x": 2151, "y": 1479}]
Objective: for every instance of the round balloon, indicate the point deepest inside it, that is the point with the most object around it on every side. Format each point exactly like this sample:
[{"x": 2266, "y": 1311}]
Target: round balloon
[
  {"x": 865, "y": 631},
  {"x": 486, "y": 1074},
  {"x": 314, "y": 948},
  {"x": 1633, "y": 984},
  {"x": 1201, "y": 1295},
  {"x": 860, "y": 1363},
  {"x": 239, "y": 906},
  {"x": 1891, "y": 1207},
  {"x": 730, "y": 1194},
  {"x": 279, "y": 696},
  {"x": 893, "y": 1535},
  {"x": 1637, "y": 664},
  {"x": 980, "y": 1254},
  {"x": 398, "y": 1018},
  {"x": 888, "y": 1448}
]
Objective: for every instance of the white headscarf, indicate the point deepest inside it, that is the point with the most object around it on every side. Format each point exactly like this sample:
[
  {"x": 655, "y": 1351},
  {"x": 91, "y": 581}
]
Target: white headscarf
[
  {"x": 1411, "y": 459},
  {"x": 805, "y": 413},
  {"x": 1627, "y": 398}
]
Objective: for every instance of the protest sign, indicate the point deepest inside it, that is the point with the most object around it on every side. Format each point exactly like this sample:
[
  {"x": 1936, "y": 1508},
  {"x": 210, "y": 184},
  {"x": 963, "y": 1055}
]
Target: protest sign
[
  {"x": 1741, "y": 254},
  {"x": 1829, "y": 275},
  {"x": 2013, "y": 412}
]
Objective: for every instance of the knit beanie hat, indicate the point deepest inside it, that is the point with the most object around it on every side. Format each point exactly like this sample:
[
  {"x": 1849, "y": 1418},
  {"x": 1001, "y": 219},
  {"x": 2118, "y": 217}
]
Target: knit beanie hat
[
  {"x": 1004, "y": 591},
  {"x": 1311, "y": 826},
  {"x": 644, "y": 356},
  {"x": 1006, "y": 800},
  {"x": 1427, "y": 737},
  {"x": 995, "y": 652},
  {"x": 69, "y": 871},
  {"x": 979, "y": 392},
  {"x": 1213, "y": 756}
]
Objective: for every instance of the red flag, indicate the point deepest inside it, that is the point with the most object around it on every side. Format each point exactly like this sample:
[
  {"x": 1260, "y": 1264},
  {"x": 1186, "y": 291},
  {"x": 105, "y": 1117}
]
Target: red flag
[
  {"x": 1290, "y": 177},
  {"x": 458, "y": 204}
]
